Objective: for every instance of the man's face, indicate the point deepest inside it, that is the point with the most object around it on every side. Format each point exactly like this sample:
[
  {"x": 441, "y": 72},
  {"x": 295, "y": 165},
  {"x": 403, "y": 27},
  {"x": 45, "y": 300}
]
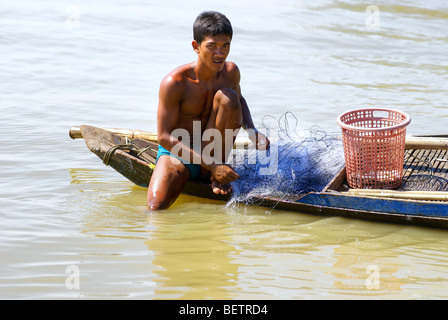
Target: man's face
[{"x": 213, "y": 51}]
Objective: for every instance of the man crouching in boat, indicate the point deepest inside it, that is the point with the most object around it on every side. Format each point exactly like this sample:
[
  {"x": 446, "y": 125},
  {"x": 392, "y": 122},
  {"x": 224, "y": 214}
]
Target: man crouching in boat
[{"x": 195, "y": 98}]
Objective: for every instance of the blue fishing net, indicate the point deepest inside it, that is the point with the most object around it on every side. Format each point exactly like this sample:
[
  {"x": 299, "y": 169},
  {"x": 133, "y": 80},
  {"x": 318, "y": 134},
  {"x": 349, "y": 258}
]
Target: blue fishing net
[{"x": 297, "y": 162}]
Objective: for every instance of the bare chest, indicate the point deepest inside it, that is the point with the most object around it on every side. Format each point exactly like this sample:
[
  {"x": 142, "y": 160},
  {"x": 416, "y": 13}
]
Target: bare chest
[{"x": 197, "y": 102}]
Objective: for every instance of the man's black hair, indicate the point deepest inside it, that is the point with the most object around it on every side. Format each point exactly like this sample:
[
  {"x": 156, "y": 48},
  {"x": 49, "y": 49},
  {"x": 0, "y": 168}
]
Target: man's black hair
[{"x": 211, "y": 23}]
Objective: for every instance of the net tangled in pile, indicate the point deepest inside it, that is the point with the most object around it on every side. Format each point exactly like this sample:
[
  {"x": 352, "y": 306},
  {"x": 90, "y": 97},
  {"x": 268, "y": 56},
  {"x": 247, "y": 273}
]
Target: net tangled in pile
[{"x": 296, "y": 163}]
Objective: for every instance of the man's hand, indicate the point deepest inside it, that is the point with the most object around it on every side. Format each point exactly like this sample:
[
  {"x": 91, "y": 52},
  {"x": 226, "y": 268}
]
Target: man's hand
[{"x": 223, "y": 173}]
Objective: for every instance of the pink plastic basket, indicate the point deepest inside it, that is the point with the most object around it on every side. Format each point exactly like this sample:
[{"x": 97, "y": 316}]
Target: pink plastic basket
[{"x": 374, "y": 142}]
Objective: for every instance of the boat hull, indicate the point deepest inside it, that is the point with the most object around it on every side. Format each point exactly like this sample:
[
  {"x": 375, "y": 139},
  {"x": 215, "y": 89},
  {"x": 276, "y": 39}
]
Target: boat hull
[{"x": 138, "y": 169}]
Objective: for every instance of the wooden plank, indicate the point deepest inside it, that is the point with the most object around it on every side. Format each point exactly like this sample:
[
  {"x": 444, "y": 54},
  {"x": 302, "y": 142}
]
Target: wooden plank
[
  {"x": 377, "y": 204},
  {"x": 409, "y": 195}
]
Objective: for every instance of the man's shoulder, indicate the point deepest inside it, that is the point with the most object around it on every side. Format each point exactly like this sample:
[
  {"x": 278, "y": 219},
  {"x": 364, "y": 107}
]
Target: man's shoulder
[
  {"x": 176, "y": 77},
  {"x": 232, "y": 67},
  {"x": 232, "y": 70}
]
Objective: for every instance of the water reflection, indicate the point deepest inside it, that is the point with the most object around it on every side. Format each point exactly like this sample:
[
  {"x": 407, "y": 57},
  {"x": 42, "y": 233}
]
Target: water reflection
[
  {"x": 201, "y": 249},
  {"x": 193, "y": 253}
]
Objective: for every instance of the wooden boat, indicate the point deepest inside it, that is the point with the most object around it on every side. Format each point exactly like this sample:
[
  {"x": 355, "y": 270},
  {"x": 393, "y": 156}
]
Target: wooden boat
[{"x": 421, "y": 200}]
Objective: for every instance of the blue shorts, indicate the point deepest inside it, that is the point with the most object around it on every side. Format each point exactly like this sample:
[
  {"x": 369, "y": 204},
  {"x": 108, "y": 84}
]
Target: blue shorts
[{"x": 195, "y": 169}]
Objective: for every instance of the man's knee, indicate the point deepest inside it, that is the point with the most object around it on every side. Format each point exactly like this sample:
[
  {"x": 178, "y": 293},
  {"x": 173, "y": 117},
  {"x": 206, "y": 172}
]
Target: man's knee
[
  {"x": 156, "y": 204},
  {"x": 227, "y": 98}
]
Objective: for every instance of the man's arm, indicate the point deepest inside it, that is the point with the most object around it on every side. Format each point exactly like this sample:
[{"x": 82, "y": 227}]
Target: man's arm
[
  {"x": 260, "y": 140},
  {"x": 170, "y": 94}
]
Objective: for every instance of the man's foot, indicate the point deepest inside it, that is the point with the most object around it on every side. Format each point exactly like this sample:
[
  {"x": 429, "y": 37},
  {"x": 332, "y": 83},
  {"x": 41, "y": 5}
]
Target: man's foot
[{"x": 220, "y": 188}]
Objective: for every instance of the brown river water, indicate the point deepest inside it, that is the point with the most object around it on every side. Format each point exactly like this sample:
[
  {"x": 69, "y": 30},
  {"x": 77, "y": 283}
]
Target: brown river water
[{"x": 73, "y": 228}]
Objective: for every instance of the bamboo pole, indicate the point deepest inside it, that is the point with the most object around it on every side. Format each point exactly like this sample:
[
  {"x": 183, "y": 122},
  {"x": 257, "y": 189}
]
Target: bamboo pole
[
  {"x": 412, "y": 142},
  {"x": 75, "y": 133},
  {"x": 408, "y": 195}
]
